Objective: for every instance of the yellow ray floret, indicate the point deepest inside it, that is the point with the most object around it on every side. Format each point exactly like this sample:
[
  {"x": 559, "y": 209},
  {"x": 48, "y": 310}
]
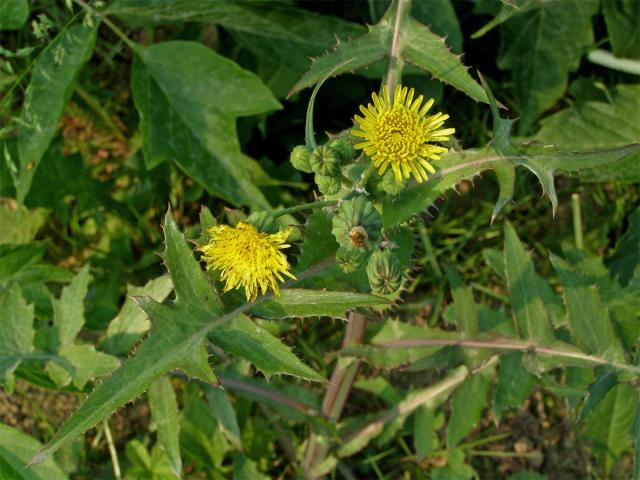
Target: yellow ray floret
[
  {"x": 399, "y": 133},
  {"x": 247, "y": 258}
]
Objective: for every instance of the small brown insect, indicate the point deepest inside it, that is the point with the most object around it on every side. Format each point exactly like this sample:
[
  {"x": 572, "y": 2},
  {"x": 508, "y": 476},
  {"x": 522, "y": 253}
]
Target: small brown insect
[{"x": 358, "y": 236}]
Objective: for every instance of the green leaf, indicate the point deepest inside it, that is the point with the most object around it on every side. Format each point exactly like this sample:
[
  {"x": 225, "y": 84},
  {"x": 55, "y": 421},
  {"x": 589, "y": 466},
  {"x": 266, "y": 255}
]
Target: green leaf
[
  {"x": 223, "y": 409},
  {"x": 177, "y": 340},
  {"x": 277, "y": 32},
  {"x": 467, "y": 404},
  {"x": 589, "y": 319},
  {"x": 189, "y": 98},
  {"x": 164, "y": 412},
  {"x": 626, "y": 257},
  {"x": 16, "y": 449},
  {"x": 465, "y": 306},
  {"x": 429, "y": 52},
  {"x": 242, "y": 337},
  {"x": 246, "y": 469},
  {"x": 530, "y": 315},
  {"x": 52, "y": 83},
  {"x": 514, "y": 383},
  {"x": 68, "y": 310},
  {"x": 530, "y": 49},
  {"x": 148, "y": 467},
  {"x": 425, "y": 436},
  {"x": 131, "y": 323},
  {"x": 623, "y": 25},
  {"x": 16, "y": 331},
  {"x": 350, "y": 55},
  {"x": 15, "y": 258},
  {"x": 607, "y": 379},
  {"x": 201, "y": 441},
  {"x": 608, "y": 427},
  {"x": 79, "y": 364},
  {"x": 441, "y": 18},
  {"x": 20, "y": 225},
  {"x": 301, "y": 303},
  {"x": 594, "y": 124},
  {"x": 13, "y": 14}
]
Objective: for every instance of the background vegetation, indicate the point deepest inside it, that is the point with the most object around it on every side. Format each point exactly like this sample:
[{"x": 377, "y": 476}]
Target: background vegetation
[{"x": 112, "y": 112}]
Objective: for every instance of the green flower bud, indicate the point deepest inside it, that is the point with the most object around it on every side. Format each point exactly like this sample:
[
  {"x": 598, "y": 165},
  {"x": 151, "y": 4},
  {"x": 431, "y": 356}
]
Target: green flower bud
[
  {"x": 264, "y": 222},
  {"x": 344, "y": 148},
  {"x": 325, "y": 160},
  {"x": 299, "y": 158},
  {"x": 391, "y": 185},
  {"x": 328, "y": 184},
  {"x": 383, "y": 270},
  {"x": 349, "y": 259},
  {"x": 357, "y": 224}
]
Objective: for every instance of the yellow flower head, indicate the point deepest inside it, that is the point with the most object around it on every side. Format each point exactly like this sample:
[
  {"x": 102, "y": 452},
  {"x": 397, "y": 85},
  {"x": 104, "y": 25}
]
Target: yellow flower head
[
  {"x": 400, "y": 134},
  {"x": 248, "y": 258}
]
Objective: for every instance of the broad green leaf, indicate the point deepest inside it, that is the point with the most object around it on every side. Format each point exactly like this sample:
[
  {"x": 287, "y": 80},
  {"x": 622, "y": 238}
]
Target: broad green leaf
[
  {"x": 589, "y": 319},
  {"x": 541, "y": 45},
  {"x": 68, "y": 310},
  {"x": 148, "y": 467},
  {"x": 297, "y": 302},
  {"x": 274, "y": 31},
  {"x": 623, "y": 25},
  {"x": 177, "y": 340},
  {"x": 626, "y": 257},
  {"x": 606, "y": 380},
  {"x": 52, "y": 83},
  {"x": 242, "y": 337},
  {"x": 13, "y": 14},
  {"x": 380, "y": 387},
  {"x": 429, "y": 52},
  {"x": 131, "y": 323},
  {"x": 189, "y": 98},
  {"x": 441, "y": 18},
  {"x": 465, "y": 306},
  {"x": 65, "y": 176},
  {"x": 20, "y": 225},
  {"x": 15, "y": 258},
  {"x": 16, "y": 448},
  {"x": 79, "y": 364},
  {"x": 222, "y": 408},
  {"x": 609, "y": 426},
  {"x": 164, "y": 412},
  {"x": 246, "y": 469},
  {"x": 201, "y": 440},
  {"x": 529, "y": 313},
  {"x": 514, "y": 383},
  {"x": 425, "y": 436},
  {"x": 16, "y": 331},
  {"x": 467, "y": 404},
  {"x": 456, "y": 468},
  {"x": 590, "y": 124}
]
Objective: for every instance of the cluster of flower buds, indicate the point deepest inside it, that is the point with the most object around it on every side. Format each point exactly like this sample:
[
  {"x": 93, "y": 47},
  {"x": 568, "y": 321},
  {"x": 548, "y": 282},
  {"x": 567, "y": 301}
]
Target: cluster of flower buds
[
  {"x": 357, "y": 227},
  {"x": 325, "y": 161}
]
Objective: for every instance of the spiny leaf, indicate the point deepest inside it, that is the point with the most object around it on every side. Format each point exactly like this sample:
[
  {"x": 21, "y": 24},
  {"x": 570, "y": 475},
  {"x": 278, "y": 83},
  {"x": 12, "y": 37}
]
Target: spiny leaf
[
  {"x": 16, "y": 331},
  {"x": 68, "y": 310},
  {"x": 589, "y": 319},
  {"x": 240, "y": 336},
  {"x": 164, "y": 411},
  {"x": 529, "y": 313},
  {"x": 297, "y": 302},
  {"x": 176, "y": 340}
]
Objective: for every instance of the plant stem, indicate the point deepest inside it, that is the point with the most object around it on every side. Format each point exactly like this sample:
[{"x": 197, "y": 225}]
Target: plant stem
[
  {"x": 577, "y": 220},
  {"x": 336, "y": 395},
  {"x": 305, "y": 206},
  {"x": 112, "y": 450},
  {"x": 396, "y": 64},
  {"x": 130, "y": 43}
]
